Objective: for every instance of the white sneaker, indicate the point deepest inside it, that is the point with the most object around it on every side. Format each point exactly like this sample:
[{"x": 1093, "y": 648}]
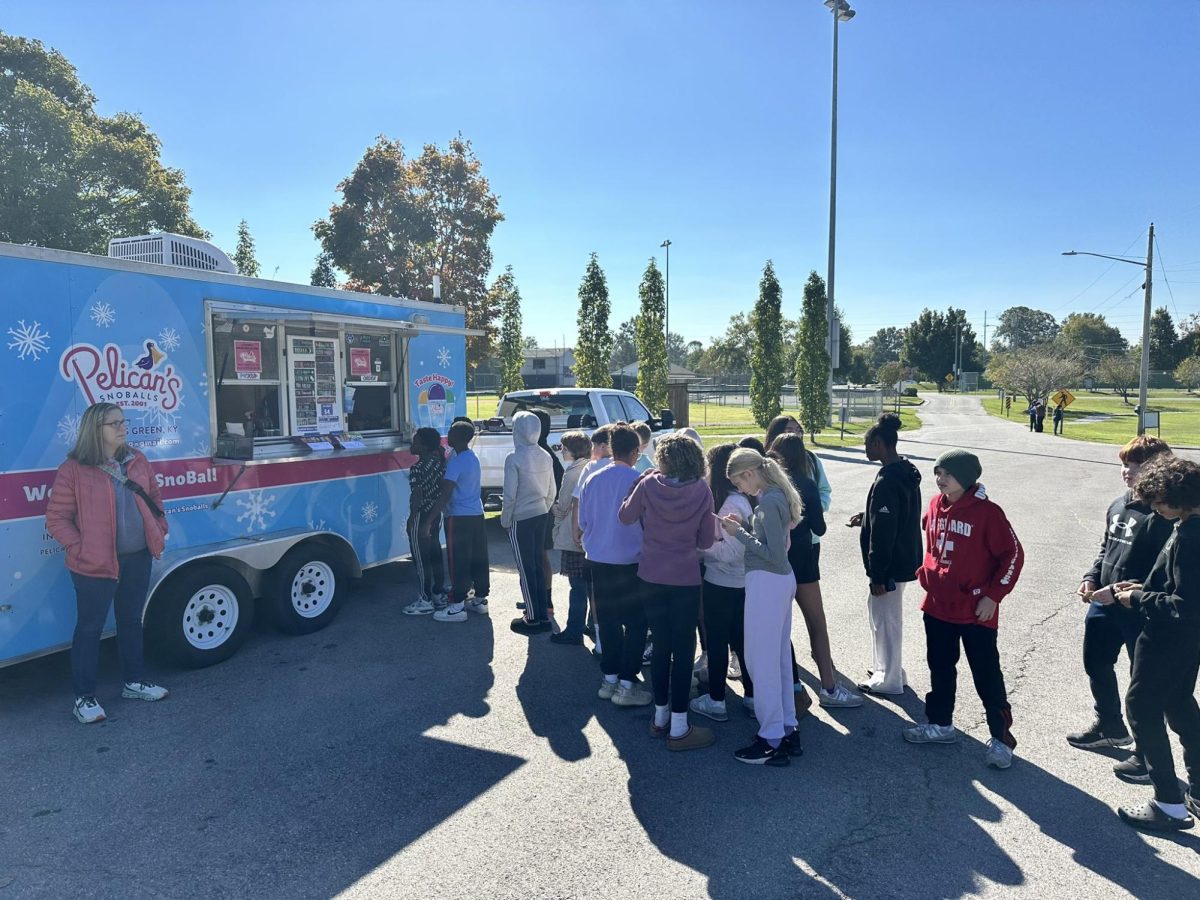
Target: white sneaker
[
  {"x": 735, "y": 667},
  {"x": 929, "y": 733},
  {"x": 143, "y": 690},
  {"x": 707, "y": 706},
  {"x": 477, "y": 605},
  {"x": 419, "y": 607},
  {"x": 607, "y": 689},
  {"x": 450, "y": 614},
  {"x": 87, "y": 710},
  {"x": 839, "y": 698},
  {"x": 631, "y": 696},
  {"x": 998, "y": 754}
]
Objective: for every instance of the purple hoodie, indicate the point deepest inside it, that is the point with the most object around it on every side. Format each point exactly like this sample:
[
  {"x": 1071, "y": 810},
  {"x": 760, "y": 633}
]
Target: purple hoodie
[{"x": 676, "y": 522}]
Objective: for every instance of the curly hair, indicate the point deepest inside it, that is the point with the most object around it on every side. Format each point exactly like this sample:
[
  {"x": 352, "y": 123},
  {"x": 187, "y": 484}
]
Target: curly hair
[
  {"x": 884, "y": 430},
  {"x": 1171, "y": 481},
  {"x": 678, "y": 456}
]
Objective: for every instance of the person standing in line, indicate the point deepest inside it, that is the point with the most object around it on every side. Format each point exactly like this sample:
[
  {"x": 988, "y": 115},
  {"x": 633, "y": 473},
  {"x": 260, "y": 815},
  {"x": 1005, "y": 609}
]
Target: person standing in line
[
  {"x": 547, "y": 569},
  {"x": 577, "y": 447},
  {"x": 466, "y": 537},
  {"x": 1059, "y": 411},
  {"x": 528, "y": 495},
  {"x": 1133, "y": 537},
  {"x": 770, "y": 587},
  {"x": 106, "y": 511},
  {"x": 601, "y": 457},
  {"x": 1167, "y": 657},
  {"x": 972, "y": 561},
  {"x": 645, "y": 459},
  {"x": 723, "y": 596},
  {"x": 675, "y": 507},
  {"x": 789, "y": 425},
  {"x": 804, "y": 556},
  {"x": 425, "y": 486},
  {"x": 891, "y": 552},
  {"x": 614, "y": 549}
]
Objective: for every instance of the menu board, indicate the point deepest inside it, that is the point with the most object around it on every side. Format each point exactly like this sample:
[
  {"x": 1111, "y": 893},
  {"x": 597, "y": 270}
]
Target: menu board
[{"x": 313, "y": 385}]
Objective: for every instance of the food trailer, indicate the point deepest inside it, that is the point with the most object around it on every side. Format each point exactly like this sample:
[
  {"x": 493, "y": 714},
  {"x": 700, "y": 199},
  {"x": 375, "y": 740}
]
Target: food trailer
[{"x": 276, "y": 417}]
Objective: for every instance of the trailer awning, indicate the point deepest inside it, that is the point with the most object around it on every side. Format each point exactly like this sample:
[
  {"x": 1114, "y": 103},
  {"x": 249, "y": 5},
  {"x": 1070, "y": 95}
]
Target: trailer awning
[{"x": 415, "y": 323}]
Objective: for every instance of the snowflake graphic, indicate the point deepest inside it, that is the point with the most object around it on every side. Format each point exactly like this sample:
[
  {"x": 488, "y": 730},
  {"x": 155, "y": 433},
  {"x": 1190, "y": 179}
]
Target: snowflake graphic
[
  {"x": 256, "y": 509},
  {"x": 202, "y": 448},
  {"x": 103, "y": 314},
  {"x": 29, "y": 340},
  {"x": 68, "y": 430},
  {"x": 443, "y": 356},
  {"x": 203, "y": 385},
  {"x": 316, "y": 525},
  {"x": 155, "y": 416},
  {"x": 370, "y": 512},
  {"x": 168, "y": 339}
]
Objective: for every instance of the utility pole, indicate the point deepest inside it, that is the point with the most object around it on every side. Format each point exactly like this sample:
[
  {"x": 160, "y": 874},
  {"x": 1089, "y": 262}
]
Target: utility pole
[
  {"x": 1144, "y": 385},
  {"x": 667, "y": 305},
  {"x": 985, "y": 328}
]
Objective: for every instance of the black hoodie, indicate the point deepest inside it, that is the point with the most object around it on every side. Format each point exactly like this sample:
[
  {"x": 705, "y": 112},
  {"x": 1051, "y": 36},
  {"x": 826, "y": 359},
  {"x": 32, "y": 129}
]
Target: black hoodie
[
  {"x": 891, "y": 529},
  {"x": 1133, "y": 537}
]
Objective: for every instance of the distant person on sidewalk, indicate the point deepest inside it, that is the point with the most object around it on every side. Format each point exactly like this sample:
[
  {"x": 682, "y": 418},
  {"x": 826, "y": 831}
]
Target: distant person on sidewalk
[
  {"x": 1167, "y": 657},
  {"x": 1133, "y": 537},
  {"x": 1032, "y": 412},
  {"x": 1041, "y": 417},
  {"x": 972, "y": 562},
  {"x": 1060, "y": 411}
]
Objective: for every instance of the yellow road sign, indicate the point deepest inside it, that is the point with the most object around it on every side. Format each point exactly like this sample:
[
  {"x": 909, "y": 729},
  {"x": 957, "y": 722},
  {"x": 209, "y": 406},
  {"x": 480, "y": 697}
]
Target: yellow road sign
[{"x": 1066, "y": 398}]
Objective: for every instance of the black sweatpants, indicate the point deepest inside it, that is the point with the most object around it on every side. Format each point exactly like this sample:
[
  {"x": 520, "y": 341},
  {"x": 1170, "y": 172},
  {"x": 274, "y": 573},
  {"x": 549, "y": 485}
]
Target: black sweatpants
[
  {"x": 466, "y": 542},
  {"x": 942, "y": 640},
  {"x": 427, "y": 554},
  {"x": 621, "y": 617},
  {"x": 1105, "y": 631},
  {"x": 725, "y": 623},
  {"x": 672, "y": 611},
  {"x": 528, "y": 537},
  {"x": 1165, "y": 664}
]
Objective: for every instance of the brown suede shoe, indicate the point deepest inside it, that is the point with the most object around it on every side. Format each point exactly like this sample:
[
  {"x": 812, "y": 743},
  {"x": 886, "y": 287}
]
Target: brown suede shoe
[
  {"x": 656, "y": 732},
  {"x": 696, "y": 738}
]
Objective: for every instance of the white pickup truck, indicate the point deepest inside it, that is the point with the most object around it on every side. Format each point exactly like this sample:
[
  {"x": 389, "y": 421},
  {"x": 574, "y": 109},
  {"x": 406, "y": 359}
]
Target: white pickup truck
[{"x": 568, "y": 408}]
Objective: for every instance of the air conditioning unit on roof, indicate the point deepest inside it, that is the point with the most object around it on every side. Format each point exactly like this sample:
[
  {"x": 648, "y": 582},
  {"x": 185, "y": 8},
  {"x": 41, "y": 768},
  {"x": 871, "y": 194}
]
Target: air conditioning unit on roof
[{"x": 166, "y": 249}]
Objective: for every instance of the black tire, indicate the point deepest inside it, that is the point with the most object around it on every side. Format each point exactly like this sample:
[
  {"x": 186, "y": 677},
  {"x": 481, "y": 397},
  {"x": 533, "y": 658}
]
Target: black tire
[
  {"x": 200, "y": 616},
  {"x": 305, "y": 589}
]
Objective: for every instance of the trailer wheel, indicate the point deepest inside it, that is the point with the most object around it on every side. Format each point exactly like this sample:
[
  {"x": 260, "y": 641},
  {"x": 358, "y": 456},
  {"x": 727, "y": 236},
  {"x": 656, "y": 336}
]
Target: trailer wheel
[
  {"x": 306, "y": 588},
  {"x": 201, "y": 616}
]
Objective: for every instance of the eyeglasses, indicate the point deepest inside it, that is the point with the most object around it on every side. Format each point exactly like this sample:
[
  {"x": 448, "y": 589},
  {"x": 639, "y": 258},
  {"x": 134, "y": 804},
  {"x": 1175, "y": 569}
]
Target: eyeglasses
[{"x": 119, "y": 423}]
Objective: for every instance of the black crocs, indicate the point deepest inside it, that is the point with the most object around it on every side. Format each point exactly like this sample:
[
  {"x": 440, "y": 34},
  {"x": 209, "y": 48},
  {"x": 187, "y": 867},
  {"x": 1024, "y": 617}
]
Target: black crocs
[{"x": 1150, "y": 817}]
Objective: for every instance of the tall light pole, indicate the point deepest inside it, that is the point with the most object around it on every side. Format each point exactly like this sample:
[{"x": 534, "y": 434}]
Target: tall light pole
[
  {"x": 1148, "y": 263},
  {"x": 841, "y": 13},
  {"x": 667, "y": 305}
]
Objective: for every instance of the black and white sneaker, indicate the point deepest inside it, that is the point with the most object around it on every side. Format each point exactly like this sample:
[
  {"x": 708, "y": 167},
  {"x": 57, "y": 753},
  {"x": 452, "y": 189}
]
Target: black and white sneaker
[
  {"x": 1132, "y": 770},
  {"x": 1097, "y": 737},
  {"x": 791, "y": 744},
  {"x": 760, "y": 753},
  {"x": 87, "y": 710}
]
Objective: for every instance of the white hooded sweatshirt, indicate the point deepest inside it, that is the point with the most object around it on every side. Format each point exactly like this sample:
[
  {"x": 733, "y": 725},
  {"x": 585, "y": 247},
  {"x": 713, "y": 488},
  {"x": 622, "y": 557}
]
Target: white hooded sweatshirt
[{"x": 528, "y": 473}]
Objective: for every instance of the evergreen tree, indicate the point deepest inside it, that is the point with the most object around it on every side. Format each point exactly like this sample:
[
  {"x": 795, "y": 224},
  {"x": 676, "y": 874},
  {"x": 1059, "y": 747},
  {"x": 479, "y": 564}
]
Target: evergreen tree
[
  {"x": 1164, "y": 341},
  {"x": 766, "y": 350},
  {"x": 323, "y": 274},
  {"x": 812, "y": 363},
  {"x": 243, "y": 256},
  {"x": 594, "y": 345},
  {"x": 651, "y": 341},
  {"x": 507, "y": 298}
]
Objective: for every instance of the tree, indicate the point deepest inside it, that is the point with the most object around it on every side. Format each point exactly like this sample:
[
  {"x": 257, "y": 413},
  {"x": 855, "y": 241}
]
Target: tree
[
  {"x": 766, "y": 353},
  {"x": 730, "y": 353},
  {"x": 884, "y": 346},
  {"x": 625, "y": 344},
  {"x": 507, "y": 298},
  {"x": 1022, "y": 327},
  {"x": 651, "y": 342},
  {"x": 1090, "y": 335},
  {"x": 812, "y": 362},
  {"x": 890, "y": 374},
  {"x": 858, "y": 371},
  {"x": 1121, "y": 370},
  {"x": 676, "y": 349},
  {"x": 695, "y": 354},
  {"x": 1164, "y": 341},
  {"x": 243, "y": 256},
  {"x": 1034, "y": 373},
  {"x": 69, "y": 177},
  {"x": 594, "y": 344},
  {"x": 403, "y": 221},
  {"x": 1187, "y": 373},
  {"x": 930, "y": 344},
  {"x": 323, "y": 274}
]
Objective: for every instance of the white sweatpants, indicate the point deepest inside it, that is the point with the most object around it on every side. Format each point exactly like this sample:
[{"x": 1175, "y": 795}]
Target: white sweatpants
[
  {"x": 886, "y": 614},
  {"x": 768, "y": 657}
]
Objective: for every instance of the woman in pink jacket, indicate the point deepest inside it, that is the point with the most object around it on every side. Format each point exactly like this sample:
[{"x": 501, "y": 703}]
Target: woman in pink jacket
[{"x": 106, "y": 511}]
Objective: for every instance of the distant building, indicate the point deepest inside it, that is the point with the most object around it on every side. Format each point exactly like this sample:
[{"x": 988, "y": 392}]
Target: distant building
[
  {"x": 626, "y": 378},
  {"x": 547, "y": 367}
]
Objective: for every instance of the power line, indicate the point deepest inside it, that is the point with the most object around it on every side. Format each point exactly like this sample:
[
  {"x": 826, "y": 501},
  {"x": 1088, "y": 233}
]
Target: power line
[
  {"x": 1164, "y": 275},
  {"x": 1101, "y": 275}
]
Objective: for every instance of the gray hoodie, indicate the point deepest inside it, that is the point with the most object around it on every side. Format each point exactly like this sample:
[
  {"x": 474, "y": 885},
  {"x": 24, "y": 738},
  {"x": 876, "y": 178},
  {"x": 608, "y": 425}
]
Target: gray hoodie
[
  {"x": 770, "y": 530},
  {"x": 528, "y": 473}
]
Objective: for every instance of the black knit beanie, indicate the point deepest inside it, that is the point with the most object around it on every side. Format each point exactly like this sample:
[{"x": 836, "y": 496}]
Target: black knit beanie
[{"x": 962, "y": 464}]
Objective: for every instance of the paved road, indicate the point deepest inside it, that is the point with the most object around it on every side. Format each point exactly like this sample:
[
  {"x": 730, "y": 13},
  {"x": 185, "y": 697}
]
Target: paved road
[{"x": 393, "y": 757}]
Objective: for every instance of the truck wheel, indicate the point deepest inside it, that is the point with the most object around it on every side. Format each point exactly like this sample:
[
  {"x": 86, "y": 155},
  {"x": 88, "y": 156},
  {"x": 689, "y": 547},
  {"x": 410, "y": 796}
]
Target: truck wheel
[
  {"x": 306, "y": 589},
  {"x": 201, "y": 616}
]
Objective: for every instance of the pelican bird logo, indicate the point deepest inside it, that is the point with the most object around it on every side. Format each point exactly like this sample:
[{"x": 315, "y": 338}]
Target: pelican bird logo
[{"x": 152, "y": 358}]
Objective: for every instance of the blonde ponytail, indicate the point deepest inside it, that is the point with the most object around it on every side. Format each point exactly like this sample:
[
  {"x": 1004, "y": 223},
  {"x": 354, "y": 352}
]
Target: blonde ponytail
[{"x": 773, "y": 475}]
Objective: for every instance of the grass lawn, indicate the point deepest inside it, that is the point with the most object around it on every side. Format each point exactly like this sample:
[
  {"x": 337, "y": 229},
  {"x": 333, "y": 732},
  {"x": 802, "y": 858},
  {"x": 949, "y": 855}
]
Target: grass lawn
[{"x": 1180, "y": 417}]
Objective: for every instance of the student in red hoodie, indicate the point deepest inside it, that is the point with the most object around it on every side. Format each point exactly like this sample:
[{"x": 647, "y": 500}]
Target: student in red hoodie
[{"x": 972, "y": 562}]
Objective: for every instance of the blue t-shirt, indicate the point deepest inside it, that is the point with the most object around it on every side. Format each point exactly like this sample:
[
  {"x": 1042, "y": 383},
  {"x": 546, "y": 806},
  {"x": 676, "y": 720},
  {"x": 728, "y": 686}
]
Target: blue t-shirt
[{"x": 463, "y": 470}]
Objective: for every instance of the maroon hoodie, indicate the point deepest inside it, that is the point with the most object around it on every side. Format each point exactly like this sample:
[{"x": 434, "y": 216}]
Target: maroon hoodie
[{"x": 676, "y": 522}]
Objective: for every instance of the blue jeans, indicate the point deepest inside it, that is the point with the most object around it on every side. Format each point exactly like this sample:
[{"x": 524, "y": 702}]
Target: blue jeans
[{"x": 93, "y": 597}]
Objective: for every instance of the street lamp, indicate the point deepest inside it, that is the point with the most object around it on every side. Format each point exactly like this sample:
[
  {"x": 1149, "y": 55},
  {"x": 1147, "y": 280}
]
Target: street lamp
[
  {"x": 1148, "y": 263},
  {"x": 841, "y": 13},
  {"x": 667, "y": 303}
]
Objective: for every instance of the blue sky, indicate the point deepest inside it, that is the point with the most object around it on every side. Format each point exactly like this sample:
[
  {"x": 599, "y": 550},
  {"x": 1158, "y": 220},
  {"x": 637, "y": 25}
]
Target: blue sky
[{"x": 977, "y": 140}]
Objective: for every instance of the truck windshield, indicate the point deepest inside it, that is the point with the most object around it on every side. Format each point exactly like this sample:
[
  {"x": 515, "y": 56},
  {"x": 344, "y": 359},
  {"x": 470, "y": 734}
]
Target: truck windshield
[{"x": 557, "y": 406}]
